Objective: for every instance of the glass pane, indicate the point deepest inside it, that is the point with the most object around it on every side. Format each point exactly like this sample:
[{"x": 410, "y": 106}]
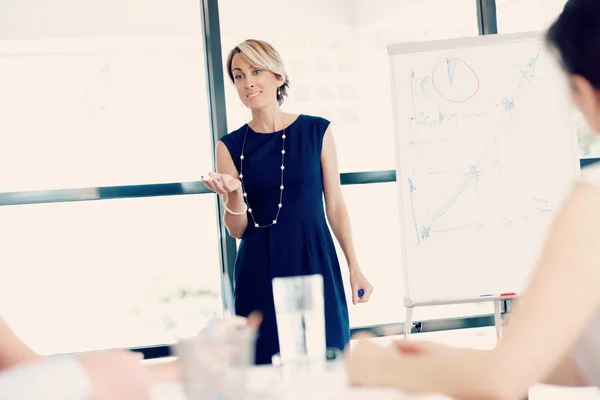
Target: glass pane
[
  {"x": 40, "y": 19},
  {"x": 112, "y": 273},
  {"x": 102, "y": 112},
  {"x": 526, "y": 15},
  {"x": 532, "y": 15},
  {"x": 376, "y": 230},
  {"x": 589, "y": 140},
  {"x": 338, "y": 62}
]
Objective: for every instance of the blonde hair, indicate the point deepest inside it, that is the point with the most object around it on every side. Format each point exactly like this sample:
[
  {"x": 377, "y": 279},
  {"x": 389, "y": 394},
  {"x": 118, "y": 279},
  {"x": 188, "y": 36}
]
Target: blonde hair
[{"x": 261, "y": 55}]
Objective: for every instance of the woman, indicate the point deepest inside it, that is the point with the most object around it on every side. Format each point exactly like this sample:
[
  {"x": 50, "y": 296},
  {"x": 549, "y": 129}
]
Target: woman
[
  {"x": 113, "y": 375},
  {"x": 272, "y": 173},
  {"x": 103, "y": 375},
  {"x": 554, "y": 335}
]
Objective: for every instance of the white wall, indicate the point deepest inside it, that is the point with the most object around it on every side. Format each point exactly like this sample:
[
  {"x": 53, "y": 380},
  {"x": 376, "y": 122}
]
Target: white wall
[{"x": 42, "y": 19}]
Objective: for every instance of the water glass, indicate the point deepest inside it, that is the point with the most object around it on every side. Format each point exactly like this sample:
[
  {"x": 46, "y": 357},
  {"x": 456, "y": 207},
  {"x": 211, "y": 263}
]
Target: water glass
[
  {"x": 300, "y": 315},
  {"x": 214, "y": 364}
]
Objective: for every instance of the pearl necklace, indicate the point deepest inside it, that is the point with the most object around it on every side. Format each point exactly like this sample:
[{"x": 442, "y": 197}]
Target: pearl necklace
[{"x": 245, "y": 195}]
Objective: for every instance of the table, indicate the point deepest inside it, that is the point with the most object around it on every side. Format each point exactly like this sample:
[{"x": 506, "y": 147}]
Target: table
[{"x": 266, "y": 383}]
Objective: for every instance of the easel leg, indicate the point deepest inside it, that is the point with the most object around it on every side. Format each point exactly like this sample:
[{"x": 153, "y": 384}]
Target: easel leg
[
  {"x": 498, "y": 319},
  {"x": 408, "y": 322}
]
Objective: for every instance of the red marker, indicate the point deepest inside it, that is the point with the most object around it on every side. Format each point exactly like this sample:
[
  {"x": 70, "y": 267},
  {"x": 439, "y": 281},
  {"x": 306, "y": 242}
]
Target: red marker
[{"x": 508, "y": 294}]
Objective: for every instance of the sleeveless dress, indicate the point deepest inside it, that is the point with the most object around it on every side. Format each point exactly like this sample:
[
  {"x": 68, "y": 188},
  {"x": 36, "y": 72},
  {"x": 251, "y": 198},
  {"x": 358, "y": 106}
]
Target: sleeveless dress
[
  {"x": 587, "y": 350},
  {"x": 300, "y": 243}
]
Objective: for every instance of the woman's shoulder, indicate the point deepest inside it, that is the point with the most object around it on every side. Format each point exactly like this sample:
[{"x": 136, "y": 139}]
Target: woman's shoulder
[
  {"x": 313, "y": 123},
  {"x": 233, "y": 136},
  {"x": 314, "y": 119}
]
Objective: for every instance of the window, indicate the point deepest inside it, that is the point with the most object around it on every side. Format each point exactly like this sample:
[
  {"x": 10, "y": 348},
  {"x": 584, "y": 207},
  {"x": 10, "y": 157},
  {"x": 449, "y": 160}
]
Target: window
[
  {"x": 103, "y": 274},
  {"x": 589, "y": 140},
  {"x": 105, "y": 94},
  {"x": 527, "y": 15},
  {"x": 376, "y": 232},
  {"x": 81, "y": 113},
  {"x": 336, "y": 56}
]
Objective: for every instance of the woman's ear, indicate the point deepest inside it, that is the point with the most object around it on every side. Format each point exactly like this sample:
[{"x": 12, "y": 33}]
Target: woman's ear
[{"x": 587, "y": 99}]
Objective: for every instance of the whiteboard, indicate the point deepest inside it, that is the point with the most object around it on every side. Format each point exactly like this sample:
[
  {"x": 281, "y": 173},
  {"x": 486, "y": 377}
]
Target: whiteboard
[{"x": 485, "y": 152}]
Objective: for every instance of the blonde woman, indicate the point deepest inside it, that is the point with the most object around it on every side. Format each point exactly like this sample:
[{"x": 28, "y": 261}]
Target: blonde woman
[
  {"x": 273, "y": 173},
  {"x": 554, "y": 335}
]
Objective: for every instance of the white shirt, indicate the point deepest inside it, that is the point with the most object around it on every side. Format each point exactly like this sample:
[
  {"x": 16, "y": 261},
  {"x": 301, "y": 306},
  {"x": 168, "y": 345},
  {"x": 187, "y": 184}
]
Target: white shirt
[
  {"x": 55, "y": 378},
  {"x": 587, "y": 350}
]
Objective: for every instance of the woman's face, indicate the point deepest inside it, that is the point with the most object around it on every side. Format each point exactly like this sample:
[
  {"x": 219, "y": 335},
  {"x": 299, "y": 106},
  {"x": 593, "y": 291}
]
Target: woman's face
[
  {"x": 257, "y": 88},
  {"x": 587, "y": 99}
]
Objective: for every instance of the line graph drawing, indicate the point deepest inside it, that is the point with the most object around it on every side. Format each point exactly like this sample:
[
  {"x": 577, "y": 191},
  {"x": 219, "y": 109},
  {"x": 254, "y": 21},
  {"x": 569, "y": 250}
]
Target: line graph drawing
[
  {"x": 470, "y": 177},
  {"x": 427, "y": 223},
  {"x": 412, "y": 188}
]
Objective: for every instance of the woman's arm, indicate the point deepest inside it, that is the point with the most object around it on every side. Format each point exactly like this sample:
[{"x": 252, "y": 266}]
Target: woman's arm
[
  {"x": 338, "y": 217},
  {"x": 561, "y": 300},
  {"x": 12, "y": 350},
  {"x": 337, "y": 212},
  {"x": 562, "y": 297},
  {"x": 236, "y": 224},
  {"x": 566, "y": 373}
]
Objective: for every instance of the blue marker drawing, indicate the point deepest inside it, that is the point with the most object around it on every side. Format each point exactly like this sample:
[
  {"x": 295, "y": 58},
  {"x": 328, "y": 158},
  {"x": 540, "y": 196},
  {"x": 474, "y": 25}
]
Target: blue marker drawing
[
  {"x": 425, "y": 86},
  {"x": 361, "y": 292},
  {"x": 528, "y": 70},
  {"x": 445, "y": 117},
  {"x": 543, "y": 206},
  {"x": 474, "y": 172},
  {"x": 477, "y": 228},
  {"x": 411, "y": 185},
  {"x": 439, "y": 119},
  {"x": 475, "y": 114},
  {"x": 429, "y": 123},
  {"x": 412, "y": 188},
  {"x": 508, "y": 104},
  {"x": 414, "y": 107},
  {"x": 451, "y": 66},
  {"x": 472, "y": 175}
]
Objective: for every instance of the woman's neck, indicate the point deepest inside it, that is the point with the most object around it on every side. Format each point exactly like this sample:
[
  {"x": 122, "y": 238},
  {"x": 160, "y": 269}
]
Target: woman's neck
[{"x": 268, "y": 120}]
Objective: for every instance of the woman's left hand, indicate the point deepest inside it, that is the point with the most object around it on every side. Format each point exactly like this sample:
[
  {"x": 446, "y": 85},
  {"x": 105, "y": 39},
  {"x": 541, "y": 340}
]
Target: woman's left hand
[{"x": 359, "y": 282}]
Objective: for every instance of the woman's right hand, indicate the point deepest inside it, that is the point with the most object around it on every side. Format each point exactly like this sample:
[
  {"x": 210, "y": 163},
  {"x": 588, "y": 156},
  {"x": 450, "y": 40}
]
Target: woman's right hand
[{"x": 221, "y": 183}]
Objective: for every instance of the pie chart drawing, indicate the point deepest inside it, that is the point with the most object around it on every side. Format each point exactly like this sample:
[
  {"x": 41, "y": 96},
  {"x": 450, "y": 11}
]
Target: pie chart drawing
[{"x": 454, "y": 80}]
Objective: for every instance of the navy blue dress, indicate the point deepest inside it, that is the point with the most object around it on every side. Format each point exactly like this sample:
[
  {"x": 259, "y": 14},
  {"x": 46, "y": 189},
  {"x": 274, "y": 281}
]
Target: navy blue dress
[{"x": 300, "y": 243}]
